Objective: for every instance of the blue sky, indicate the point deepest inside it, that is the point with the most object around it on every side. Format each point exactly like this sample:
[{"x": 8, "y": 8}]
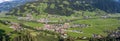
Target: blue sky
[{"x": 116, "y": 0}]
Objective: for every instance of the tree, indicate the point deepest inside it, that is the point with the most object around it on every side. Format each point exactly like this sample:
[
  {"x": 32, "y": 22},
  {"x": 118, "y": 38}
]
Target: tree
[{"x": 41, "y": 7}]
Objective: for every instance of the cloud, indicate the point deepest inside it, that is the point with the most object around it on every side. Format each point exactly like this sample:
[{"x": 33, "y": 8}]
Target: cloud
[{"x": 4, "y": 0}]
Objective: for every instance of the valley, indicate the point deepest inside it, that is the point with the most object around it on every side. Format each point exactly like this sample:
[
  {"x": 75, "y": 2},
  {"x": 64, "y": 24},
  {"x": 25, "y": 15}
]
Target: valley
[{"x": 60, "y": 20}]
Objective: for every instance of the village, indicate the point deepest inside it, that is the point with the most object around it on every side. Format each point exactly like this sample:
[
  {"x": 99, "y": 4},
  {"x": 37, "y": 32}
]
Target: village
[
  {"x": 61, "y": 28},
  {"x": 64, "y": 26}
]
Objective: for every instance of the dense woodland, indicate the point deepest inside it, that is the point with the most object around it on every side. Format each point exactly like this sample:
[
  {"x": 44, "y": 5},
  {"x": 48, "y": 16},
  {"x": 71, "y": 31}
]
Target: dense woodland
[{"x": 67, "y": 7}]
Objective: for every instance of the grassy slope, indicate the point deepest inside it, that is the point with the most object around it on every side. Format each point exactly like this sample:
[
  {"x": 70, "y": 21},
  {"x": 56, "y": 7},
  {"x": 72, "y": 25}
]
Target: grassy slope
[
  {"x": 97, "y": 26},
  {"x": 6, "y": 28}
]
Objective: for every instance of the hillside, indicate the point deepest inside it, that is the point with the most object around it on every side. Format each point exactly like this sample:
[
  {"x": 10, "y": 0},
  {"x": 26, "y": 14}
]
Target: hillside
[
  {"x": 68, "y": 7},
  {"x": 8, "y": 5}
]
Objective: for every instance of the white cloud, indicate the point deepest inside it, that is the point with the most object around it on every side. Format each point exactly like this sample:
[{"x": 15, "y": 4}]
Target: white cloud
[{"x": 4, "y": 0}]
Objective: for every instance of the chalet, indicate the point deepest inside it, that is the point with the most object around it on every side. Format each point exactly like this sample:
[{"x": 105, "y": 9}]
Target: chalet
[
  {"x": 15, "y": 26},
  {"x": 77, "y": 31},
  {"x": 105, "y": 16},
  {"x": 47, "y": 27},
  {"x": 25, "y": 18},
  {"x": 80, "y": 25},
  {"x": 61, "y": 31},
  {"x": 97, "y": 36},
  {"x": 28, "y": 17},
  {"x": 86, "y": 17},
  {"x": 66, "y": 25},
  {"x": 43, "y": 20},
  {"x": 38, "y": 28},
  {"x": 64, "y": 36},
  {"x": 84, "y": 37}
]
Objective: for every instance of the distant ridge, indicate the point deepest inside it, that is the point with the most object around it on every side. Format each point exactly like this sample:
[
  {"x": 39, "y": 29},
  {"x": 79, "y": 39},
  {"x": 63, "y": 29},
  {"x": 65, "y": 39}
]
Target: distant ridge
[{"x": 8, "y": 5}]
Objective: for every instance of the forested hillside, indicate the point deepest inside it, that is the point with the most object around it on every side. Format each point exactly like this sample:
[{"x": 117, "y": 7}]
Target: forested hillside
[{"x": 67, "y": 7}]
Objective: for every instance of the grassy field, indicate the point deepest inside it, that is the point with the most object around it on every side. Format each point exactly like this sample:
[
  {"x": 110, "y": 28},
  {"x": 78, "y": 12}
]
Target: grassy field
[
  {"x": 97, "y": 25},
  {"x": 6, "y": 28}
]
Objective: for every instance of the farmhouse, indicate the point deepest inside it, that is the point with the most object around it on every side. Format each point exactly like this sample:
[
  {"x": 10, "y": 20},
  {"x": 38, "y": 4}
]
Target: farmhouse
[
  {"x": 28, "y": 17},
  {"x": 15, "y": 26},
  {"x": 97, "y": 36},
  {"x": 105, "y": 16},
  {"x": 80, "y": 25},
  {"x": 43, "y": 20}
]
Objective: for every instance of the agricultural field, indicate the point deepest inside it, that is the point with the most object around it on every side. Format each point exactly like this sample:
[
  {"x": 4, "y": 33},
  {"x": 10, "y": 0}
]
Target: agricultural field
[{"x": 96, "y": 26}]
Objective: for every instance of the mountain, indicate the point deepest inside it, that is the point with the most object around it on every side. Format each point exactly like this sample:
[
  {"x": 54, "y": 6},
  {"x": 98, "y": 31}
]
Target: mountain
[
  {"x": 110, "y": 6},
  {"x": 68, "y": 7},
  {"x": 8, "y": 5}
]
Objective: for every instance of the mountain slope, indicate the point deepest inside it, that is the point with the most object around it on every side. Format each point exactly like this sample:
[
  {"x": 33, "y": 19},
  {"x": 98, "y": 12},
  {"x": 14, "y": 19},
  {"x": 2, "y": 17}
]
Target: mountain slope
[
  {"x": 7, "y": 5},
  {"x": 67, "y": 7},
  {"x": 110, "y": 6}
]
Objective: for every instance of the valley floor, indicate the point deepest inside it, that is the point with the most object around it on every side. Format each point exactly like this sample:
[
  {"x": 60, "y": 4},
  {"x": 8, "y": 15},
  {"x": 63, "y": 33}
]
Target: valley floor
[{"x": 68, "y": 26}]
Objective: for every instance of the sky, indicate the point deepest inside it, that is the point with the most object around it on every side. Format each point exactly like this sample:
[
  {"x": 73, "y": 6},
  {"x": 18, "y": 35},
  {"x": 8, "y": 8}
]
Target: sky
[
  {"x": 4, "y": 0},
  {"x": 117, "y": 0},
  {"x": 11, "y": 0}
]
